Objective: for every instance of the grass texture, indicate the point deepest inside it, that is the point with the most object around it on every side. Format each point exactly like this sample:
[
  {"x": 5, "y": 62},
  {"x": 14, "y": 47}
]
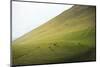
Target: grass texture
[{"x": 68, "y": 37}]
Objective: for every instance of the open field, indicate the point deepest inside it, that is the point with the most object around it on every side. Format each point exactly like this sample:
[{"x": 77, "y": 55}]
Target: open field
[{"x": 68, "y": 37}]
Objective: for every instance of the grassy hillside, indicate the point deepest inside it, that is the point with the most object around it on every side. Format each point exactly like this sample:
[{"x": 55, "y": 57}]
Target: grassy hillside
[{"x": 68, "y": 37}]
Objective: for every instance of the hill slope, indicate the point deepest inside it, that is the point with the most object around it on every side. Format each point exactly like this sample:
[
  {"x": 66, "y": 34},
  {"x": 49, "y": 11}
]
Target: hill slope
[{"x": 68, "y": 37}]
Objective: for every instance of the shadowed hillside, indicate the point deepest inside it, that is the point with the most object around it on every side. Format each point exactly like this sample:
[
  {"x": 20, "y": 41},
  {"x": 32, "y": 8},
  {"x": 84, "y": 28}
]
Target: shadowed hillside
[{"x": 68, "y": 37}]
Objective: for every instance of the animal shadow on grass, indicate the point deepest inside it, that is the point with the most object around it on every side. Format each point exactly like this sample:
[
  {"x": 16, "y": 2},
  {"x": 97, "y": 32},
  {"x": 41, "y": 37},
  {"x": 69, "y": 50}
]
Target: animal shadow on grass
[
  {"x": 52, "y": 46},
  {"x": 81, "y": 45},
  {"x": 38, "y": 47}
]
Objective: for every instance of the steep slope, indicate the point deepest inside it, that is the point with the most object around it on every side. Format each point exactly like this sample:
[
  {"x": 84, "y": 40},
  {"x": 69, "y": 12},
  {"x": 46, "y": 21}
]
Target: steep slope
[{"x": 67, "y": 37}]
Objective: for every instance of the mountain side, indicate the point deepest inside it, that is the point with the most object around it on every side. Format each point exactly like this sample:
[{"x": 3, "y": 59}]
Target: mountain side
[{"x": 68, "y": 37}]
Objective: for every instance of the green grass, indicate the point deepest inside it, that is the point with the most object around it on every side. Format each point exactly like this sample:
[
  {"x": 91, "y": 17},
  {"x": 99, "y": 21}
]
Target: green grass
[{"x": 68, "y": 37}]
